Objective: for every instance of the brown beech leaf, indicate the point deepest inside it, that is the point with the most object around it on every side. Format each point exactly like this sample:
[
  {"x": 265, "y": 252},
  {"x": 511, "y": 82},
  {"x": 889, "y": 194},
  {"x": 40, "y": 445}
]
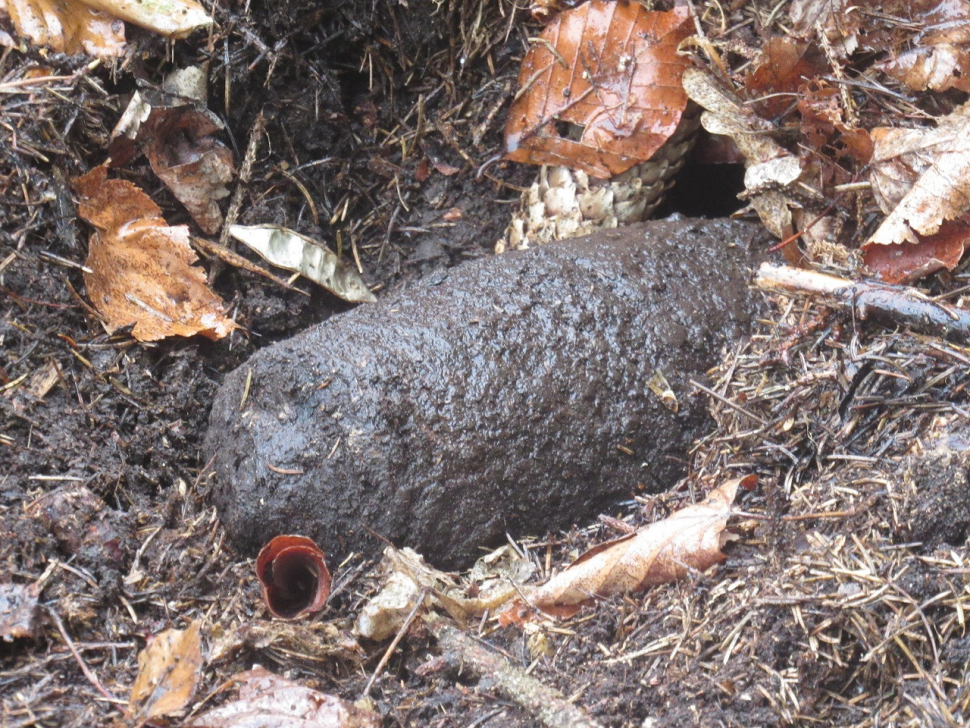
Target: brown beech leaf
[
  {"x": 783, "y": 67},
  {"x": 267, "y": 700},
  {"x": 689, "y": 540},
  {"x": 600, "y": 91},
  {"x": 169, "y": 669},
  {"x": 141, "y": 269},
  {"x": 174, "y": 130},
  {"x": 941, "y": 191},
  {"x": 905, "y": 263},
  {"x": 820, "y": 107},
  {"x": 293, "y": 576}
]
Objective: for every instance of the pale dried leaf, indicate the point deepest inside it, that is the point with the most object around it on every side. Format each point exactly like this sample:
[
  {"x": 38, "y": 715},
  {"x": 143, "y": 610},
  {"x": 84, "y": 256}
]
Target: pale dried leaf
[
  {"x": 169, "y": 669},
  {"x": 170, "y": 18},
  {"x": 838, "y": 24},
  {"x": 141, "y": 269},
  {"x": 18, "y": 611},
  {"x": 300, "y": 254},
  {"x": 67, "y": 27},
  {"x": 942, "y": 191},
  {"x": 267, "y": 700},
  {"x": 939, "y": 68},
  {"x": 725, "y": 114},
  {"x": 689, "y": 540}
]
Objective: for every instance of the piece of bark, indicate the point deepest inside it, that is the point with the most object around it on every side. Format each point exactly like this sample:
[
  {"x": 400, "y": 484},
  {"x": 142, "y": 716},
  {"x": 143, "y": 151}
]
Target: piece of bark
[{"x": 508, "y": 395}]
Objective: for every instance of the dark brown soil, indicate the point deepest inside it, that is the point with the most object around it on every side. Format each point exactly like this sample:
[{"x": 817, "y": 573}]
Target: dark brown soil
[{"x": 104, "y": 500}]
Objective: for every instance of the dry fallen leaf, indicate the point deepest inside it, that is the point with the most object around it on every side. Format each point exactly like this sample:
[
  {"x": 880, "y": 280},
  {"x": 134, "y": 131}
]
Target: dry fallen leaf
[
  {"x": 67, "y": 27},
  {"x": 906, "y": 262},
  {"x": 689, "y": 540},
  {"x": 95, "y": 27},
  {"x": 267, "y": 700},
  {"x": 783, "y": 67},
  {"x": 600, "y": 90},
  {"x": 195, "y": 166},
  {"x": 18, "y": 611},
  {"x": 141, "y": 269},
  {"x": 939, "y": 68},
  {"x": 941, "y": 158},
  {"x": 174, "y": 130},
  {"x": 169, "y": 669},
  {"x": 298, "y": 253},
  {"x": 770, "y": 167}
]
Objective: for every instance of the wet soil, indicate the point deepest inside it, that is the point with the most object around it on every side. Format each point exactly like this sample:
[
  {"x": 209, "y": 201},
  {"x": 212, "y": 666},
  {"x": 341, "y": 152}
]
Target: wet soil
[{"x": 504, "y": 397}]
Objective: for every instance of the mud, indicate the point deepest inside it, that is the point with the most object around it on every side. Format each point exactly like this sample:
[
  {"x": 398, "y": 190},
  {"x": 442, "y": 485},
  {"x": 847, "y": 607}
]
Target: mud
[{"x": 508, "y": 395}]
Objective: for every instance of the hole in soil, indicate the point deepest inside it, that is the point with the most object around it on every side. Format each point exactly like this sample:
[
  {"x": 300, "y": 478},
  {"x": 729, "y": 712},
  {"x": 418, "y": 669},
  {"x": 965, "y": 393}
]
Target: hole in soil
[{"x": 705, "y": 190}]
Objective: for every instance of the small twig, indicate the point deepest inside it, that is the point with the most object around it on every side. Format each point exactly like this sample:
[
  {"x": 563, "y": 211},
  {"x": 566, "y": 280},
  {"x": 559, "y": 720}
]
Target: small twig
[
  {"x": 890, "y": 305},
  {"x": 397, "y": 640},
  {"x": 88, "y": 673},
  {"x": 547, "y": 704},
  {"x": 733, "y": 405},
  {"x": 245, "y": 173}
]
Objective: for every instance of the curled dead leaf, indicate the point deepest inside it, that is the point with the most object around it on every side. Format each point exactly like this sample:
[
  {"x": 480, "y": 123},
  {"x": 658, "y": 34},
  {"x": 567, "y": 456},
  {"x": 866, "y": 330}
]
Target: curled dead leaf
[
  {"x": 266, "y": 699},
  {"x": 298, "y": 253},
  {"x": 689, "y": 540},
  {"x": 95, "y": 26},
  {"x": 169, "y": 669},
  {"x": 141, "y": 269},
  {"x": 941, "y": 158},
  {"x": 600, "y": 91},
  {"x": 293, "y": 576}
]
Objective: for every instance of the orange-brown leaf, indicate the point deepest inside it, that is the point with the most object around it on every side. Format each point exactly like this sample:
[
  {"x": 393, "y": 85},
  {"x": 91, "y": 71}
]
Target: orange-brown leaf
[
  {"x": 907, "y": 262},
  {"x": 783, "y": 68},
  {"x": 608, "y": 71},
  {"x": 689, "y": 540},
  {"x": 141, "y": 269},
  {"x": 169, "y": 669}
]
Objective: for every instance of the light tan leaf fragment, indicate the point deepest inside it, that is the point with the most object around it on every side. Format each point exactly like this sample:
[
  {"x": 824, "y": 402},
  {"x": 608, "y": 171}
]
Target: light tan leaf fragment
[
  {"x": 67, "y": 27},
  {"x": 659, "y": 386},
  {"x": 600, "y": 89},
  {"x": 771, "y": 168},
  {"x": 288, "y": 249},
  {"x": 169, "y": 669},
  {"x": 406, "y": 575},
  {"x": 18, "y": 611},
  {"x": 942, "y": 190},
  {"x": 689, "y": 540},
  {"x": 266, "y": 699},
  {"x": 141, "y": 269},
  {"x": 170, "y": 18},
  {"x": 96, "y": 27}
]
